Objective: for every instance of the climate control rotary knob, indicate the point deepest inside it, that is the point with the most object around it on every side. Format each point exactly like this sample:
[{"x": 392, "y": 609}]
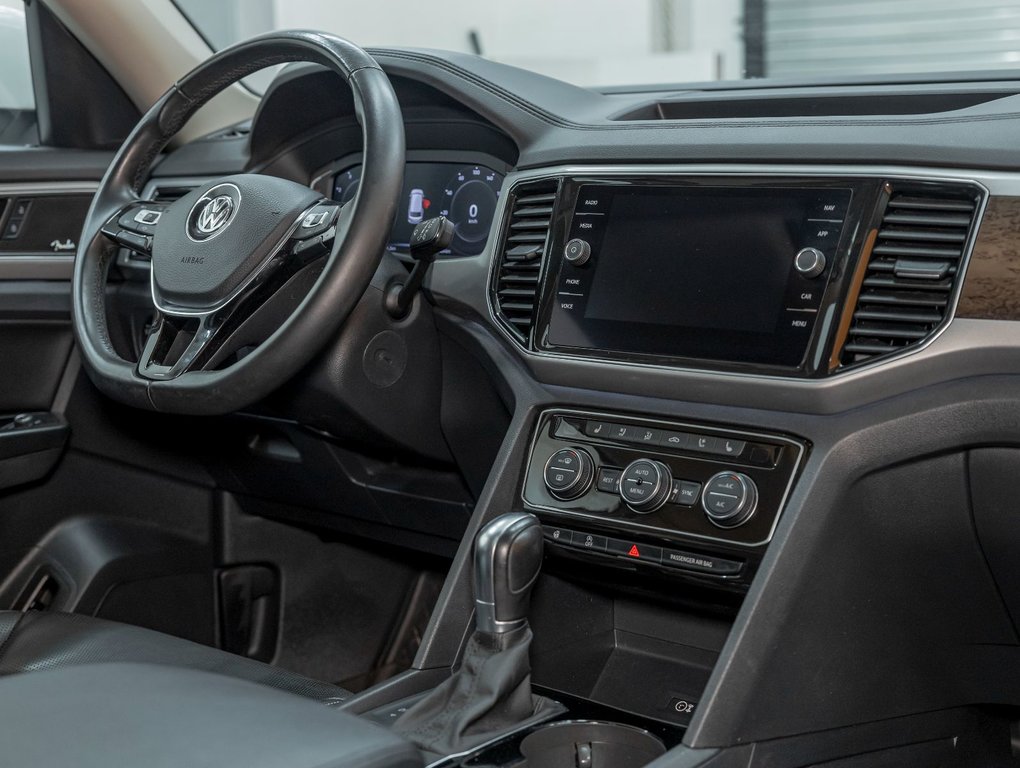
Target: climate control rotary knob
[
  {"x": 568, "y": 473},
  {"x": 645, "y": 485},
  {"x": 729, "y": 499}
]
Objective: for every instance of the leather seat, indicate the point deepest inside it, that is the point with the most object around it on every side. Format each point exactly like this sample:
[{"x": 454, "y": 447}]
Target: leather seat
[{"x": 37, "y": 641}]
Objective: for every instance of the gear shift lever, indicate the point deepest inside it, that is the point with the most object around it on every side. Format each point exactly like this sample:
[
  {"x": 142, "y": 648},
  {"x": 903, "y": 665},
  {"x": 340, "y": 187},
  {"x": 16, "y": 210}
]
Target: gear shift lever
[
  {"x": 508, "y": 558},
  {"x": 491, "y": 691}
]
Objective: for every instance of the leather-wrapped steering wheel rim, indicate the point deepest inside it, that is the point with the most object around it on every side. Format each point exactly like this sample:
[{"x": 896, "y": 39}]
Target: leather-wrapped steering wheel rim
[{"x": 361, "y": 230}]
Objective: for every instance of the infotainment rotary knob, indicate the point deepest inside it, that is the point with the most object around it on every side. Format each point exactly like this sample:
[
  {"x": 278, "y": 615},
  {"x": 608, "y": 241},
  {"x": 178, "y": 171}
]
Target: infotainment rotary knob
[
  {"x": 810, "y": 262},
  {"x": 645, "y": 485}
]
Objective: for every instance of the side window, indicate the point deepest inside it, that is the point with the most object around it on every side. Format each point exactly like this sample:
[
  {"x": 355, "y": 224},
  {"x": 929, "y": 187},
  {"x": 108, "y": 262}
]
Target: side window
[{"x": 17, "y": 102}]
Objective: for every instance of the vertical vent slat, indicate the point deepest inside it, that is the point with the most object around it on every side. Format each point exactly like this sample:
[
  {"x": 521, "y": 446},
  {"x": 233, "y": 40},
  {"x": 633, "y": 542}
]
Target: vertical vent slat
[
  {"x": 913, "y": 271},
  {"x": 521, "y": 256}
]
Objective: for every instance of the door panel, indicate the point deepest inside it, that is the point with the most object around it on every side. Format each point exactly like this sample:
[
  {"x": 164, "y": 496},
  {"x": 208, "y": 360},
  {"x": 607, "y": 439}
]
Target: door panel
[{"x": 39, "y": 228}]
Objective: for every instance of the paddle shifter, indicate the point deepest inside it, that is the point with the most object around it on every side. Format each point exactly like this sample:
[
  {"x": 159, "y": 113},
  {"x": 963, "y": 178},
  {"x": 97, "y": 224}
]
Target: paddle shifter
[
  {"x": 508, "y": 557},
  {"x": 490, "y": 693}
]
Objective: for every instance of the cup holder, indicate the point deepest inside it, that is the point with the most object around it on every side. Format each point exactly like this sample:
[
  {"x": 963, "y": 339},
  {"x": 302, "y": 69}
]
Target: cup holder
[{"x": 589, "y": 744}]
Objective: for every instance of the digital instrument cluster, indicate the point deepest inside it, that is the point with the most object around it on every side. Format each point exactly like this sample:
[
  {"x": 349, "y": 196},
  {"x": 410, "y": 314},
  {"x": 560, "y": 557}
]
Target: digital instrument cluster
[{"x": 465, "y": 194}]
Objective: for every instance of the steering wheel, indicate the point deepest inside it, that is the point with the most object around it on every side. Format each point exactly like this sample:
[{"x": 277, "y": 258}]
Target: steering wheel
[{"x": 236, "y": 245}]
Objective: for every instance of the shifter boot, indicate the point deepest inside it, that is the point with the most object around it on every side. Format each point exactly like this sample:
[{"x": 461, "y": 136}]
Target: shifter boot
[{"x": 488, "y": 695}]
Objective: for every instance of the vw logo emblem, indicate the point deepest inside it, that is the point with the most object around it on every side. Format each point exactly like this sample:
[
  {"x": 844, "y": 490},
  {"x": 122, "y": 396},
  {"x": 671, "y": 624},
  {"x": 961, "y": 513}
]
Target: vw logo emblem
[{"x": 213, "y": 212}]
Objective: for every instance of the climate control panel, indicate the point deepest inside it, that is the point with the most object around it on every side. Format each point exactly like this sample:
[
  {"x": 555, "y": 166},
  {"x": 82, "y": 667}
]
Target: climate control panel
[{"x": 676, "y": 482}]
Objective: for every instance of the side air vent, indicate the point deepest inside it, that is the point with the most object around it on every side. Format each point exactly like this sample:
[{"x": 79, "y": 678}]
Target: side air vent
[
  {"x": 522, "y": 255},
  {"x": 911, "y": 278}
]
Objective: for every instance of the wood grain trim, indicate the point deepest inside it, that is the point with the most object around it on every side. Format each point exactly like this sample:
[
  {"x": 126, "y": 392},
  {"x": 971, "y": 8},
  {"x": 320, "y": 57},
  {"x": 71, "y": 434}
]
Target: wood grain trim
[
  {"x": 851, "y": 299},
  {"x": 991, "y": 288}
]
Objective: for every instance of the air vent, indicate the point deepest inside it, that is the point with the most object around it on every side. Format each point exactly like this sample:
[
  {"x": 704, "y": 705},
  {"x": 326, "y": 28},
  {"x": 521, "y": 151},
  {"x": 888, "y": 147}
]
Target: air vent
[
  {"x": 910, "y": 281},
  {"x": 522, "y": 255}
]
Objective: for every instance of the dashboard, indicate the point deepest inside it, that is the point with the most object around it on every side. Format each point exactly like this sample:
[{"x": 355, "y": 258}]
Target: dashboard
[{"x": 763, "y": 365}]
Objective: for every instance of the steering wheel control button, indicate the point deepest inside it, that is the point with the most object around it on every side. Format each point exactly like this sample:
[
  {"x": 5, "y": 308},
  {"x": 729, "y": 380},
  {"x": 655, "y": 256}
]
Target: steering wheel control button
[
  {"x": 568, "y": 473},
  {"x": 634, "y": 550},
  {"x": 590, "y": 541},
  {"x": 310, "y": 248},
  {"x": 730, "y": 499},
  {"x": 147, "y": 217},
  {"x": 577, "y": 252},
  {"x": 810, "y": 262},
  {"x": 685, "y": 493},
  {"x": 690, "y": 561},
  {"x": 608, "y": 480},
  {"x": 316, "y": 221},
  {"x": 134, "y": 241},
  {"x": 142, "y": 220},
  {"x": 645, "y": 485}
]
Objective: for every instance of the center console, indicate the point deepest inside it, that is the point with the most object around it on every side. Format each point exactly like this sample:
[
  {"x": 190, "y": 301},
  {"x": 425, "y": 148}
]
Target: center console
[
  {"x": 683, "y": 500},
  {"x": 654, "y": 529}
]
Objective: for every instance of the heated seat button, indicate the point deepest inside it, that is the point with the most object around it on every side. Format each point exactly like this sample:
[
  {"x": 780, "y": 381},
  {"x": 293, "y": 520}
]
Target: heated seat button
[
  {"x": 608, "y": 480},
  {"x": 634, "y": 550},
  {"x": 645, "y": 436},
  {"x": 725, "y": 447},
  {"x": 689, "y": 561},
  {"x": 626, "y": 432},
  {"x": 597, "y": 428}
]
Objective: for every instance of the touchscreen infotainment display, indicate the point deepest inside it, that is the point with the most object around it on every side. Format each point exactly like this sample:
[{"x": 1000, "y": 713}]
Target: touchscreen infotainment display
[{"x": 701, "y": 272}]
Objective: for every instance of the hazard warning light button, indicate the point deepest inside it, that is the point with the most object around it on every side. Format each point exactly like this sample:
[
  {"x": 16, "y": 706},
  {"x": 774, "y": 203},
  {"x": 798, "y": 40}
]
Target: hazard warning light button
[{"x": 635, "y": 550}]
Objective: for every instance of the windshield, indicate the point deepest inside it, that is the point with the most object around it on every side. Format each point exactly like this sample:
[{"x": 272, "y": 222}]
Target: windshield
[{"x": 625, "y": 42}]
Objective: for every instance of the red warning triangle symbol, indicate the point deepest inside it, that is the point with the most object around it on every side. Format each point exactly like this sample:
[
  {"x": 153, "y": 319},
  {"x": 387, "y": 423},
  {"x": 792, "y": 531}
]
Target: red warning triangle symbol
[{"x": 634, "y": 551}]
